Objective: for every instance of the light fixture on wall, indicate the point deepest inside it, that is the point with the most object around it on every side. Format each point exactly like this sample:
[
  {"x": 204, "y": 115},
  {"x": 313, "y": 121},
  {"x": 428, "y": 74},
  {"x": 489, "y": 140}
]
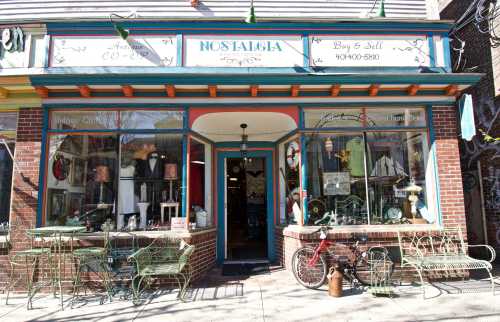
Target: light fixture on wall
[
  {"x": 251, "y": 18},
  {"x": 121, "y": 31},
  {"x": 381, "y": 10},
  {"x": 244, "y": 142}
]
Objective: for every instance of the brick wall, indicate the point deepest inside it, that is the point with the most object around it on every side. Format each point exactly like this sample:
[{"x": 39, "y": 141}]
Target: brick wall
[
  {"x": 479, "y": 57},
  {"x": 25, "y": 182},
  {"x": 448, "y": 163}
]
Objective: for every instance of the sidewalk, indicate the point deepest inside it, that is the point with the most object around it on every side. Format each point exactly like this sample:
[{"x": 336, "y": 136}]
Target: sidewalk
[{"x": 273, "y": 297}]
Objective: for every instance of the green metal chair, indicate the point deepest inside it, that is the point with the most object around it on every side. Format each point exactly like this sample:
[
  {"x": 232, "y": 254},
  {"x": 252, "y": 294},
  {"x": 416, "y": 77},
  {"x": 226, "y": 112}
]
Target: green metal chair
[
  {"x": 92, "y": 258},
  {"x": 158, "y": 259},
  {"x": 24, "y": 263}
]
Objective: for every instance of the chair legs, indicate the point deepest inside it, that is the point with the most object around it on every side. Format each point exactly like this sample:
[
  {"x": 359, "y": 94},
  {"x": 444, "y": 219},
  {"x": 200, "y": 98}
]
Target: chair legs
[{"x": 104, "y": 277}]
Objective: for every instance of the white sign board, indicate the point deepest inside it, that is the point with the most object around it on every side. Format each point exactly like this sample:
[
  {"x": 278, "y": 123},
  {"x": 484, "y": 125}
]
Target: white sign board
[
  {"x": 71, "y": 51},
  {"x": 336, "y": 183},
  {"x": 363, "y": 51},
  {"x": 178, "y": 224},
  {"x": 243, "y": 51}
]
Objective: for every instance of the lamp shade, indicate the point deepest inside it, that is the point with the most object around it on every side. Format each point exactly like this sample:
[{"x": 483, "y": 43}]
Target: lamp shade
[
  {"x": 102, "y": 173},
  {"x": 170, "y": 172}
]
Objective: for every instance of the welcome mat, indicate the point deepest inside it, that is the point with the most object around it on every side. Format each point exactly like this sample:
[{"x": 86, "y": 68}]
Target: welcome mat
[{"x": 245, "y": 269}]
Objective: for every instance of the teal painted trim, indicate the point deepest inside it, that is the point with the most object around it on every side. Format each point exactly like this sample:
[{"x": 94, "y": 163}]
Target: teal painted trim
[
  {"x": 302, "y": 118},
  {"x": 270, "y": 199},
  {"x": 239, "y": 76},
  {"x": 432, "y": 51},
  {"x": 303, "y": 158},
  {"x": 184, "y": 185},
  {"x": 225, "y": 27},
  {"x": 180, "y": 46},
  {"x": 202, "y": 137},
  {"x": 43, "y": 162},
  {"x": 46, "y": 51},
  {"x": 287, "y": 136},
  {"x": 433, "y": 152},
  {"x": 173, "y": 107},
  {"x": 365, "y": 129},
  {"x": 128, "y": 131},
  {"x": 251, "y": 144},
  {"x": 307, "y": 50},
  {"x": 447, "y": 54},
  {"x": 185, "y": 119}
]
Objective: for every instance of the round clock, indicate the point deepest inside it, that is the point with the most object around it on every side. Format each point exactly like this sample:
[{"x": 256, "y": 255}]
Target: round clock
[
  {"x": 292, "y": 155},
  {"x": 394, "y": 213}
]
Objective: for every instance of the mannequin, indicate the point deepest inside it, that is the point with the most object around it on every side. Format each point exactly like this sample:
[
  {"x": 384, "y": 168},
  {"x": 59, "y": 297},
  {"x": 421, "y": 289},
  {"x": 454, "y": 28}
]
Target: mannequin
[{"x": 126, "y": 198}]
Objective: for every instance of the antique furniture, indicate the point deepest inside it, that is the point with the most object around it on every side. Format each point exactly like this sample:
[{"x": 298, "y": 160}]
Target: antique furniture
[
  {"x": 62, "y": 245},
  {"x": 92, "y": 259},
  {"x": 24, "y": 263},
  {"x": 169, "y": 206},
  {"x": 163, "y": 257},
  {"x": 442, "y": 251}
]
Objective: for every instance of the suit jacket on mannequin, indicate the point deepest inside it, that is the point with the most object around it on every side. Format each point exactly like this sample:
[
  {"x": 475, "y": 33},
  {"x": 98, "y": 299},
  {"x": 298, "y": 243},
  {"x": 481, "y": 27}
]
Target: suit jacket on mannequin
[{"x": 151, "y": 168}]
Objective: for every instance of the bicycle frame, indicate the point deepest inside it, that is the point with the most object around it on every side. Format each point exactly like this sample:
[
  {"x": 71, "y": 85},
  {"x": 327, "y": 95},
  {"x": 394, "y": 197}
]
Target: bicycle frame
[{"x": 323, "y": 246}]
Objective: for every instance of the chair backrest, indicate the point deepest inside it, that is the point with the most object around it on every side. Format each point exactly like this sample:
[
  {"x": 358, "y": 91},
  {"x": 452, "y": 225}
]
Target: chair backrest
[{"x": 186, "y": 253}]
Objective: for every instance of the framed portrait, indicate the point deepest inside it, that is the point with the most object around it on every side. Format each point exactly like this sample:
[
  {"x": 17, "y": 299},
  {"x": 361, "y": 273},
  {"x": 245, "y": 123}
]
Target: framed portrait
[
  {"x": 75, "y": 204},
  {"x": 57, "y": 203},
  {"x": 78, "y": 172}
]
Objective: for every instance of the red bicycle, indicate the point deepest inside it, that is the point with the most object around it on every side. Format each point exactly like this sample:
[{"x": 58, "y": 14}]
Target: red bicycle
[{"x": 310, "y": 265}]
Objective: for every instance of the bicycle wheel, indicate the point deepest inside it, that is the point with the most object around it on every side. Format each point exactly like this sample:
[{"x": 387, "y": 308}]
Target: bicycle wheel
[
  {"x": 309, "y": 276},
  {"x": 376, "y": 261}
]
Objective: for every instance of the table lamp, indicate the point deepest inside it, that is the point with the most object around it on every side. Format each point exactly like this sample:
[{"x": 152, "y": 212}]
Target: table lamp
[{"x": 170, "y": 174}]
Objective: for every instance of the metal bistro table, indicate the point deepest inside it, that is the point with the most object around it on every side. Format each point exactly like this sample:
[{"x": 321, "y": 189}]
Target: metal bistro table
[{"x": 57, "y": 246}]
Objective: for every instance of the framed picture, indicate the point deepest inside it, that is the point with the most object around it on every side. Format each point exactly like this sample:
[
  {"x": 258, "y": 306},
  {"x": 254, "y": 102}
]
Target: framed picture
[
  {"x": 57, "y": 203},
  {"x": 78, "y": 170},
  {"x": 336, "y": 183},
  {"x": 75, "y": 204}
]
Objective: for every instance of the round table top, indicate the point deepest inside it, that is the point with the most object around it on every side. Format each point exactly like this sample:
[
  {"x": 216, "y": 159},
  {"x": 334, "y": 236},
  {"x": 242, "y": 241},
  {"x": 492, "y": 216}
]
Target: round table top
[{"x": 58, "y": 229}]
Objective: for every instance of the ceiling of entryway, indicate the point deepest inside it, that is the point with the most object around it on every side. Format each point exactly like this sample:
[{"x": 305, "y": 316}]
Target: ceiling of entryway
[{"x": 262, "y": 126}]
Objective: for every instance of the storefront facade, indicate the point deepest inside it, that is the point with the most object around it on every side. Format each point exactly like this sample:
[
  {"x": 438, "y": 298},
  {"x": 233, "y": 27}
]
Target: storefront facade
[{"x": 251, "y": 133}]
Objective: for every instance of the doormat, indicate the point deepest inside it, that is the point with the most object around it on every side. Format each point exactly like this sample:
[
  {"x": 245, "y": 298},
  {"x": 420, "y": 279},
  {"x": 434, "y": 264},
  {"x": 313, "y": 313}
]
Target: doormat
[{"x": 245, "y": 269}]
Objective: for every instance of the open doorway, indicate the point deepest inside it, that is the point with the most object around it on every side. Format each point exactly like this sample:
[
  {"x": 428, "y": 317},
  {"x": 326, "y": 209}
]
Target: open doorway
[{"x": 246, "y": 209}]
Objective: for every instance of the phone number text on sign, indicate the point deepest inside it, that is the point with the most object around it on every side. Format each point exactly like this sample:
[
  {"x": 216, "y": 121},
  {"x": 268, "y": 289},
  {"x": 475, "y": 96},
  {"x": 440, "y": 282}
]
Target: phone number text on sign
[{"x": 354, "y": 51}]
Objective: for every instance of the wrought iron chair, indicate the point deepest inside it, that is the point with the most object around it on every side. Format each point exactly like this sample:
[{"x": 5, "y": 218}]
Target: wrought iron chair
[
  {"x": 92, "y": 258},
  {"x": 163, "y": 257},
  {"x": 28, "y": 260}
]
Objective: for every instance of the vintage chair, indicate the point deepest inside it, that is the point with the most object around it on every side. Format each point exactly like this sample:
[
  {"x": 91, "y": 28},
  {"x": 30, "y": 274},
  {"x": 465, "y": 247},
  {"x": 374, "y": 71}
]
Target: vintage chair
[
  {"x": 26, "y": 262},
  {"x": 163, "y": 257},
  {"x": 441, "y": 251},
  {"x": 93, "y": 259}
]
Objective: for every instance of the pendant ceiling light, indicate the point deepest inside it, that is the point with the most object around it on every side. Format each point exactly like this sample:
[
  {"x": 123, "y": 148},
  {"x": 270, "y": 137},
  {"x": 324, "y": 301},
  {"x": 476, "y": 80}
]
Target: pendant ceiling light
[
  {"x": 251, "y": 14},
  {"x": 244, "y": 142}
]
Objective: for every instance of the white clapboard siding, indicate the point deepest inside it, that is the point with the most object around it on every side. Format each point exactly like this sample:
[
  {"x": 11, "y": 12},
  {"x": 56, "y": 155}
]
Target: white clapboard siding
[{"x": 56, "y": 10}]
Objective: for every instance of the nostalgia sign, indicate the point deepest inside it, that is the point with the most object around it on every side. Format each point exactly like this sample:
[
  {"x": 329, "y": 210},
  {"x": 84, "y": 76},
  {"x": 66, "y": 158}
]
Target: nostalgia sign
[
  {"x": 154, "y": 51},
  {"x": 362, "y": 51},
  {"x": 243, "y": 51}
]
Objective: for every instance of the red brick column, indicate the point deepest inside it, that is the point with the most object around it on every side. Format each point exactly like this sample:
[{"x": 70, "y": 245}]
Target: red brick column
[
  {"x": 24, "y": 192},
  {"x": 448, "y": 163}
]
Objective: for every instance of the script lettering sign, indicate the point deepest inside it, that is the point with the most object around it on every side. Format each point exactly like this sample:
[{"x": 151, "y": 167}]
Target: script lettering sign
[
  {"x": 375, "y": 51},
  {"x": 243, "y": 51},
  {"x": 71, "y": 51}
]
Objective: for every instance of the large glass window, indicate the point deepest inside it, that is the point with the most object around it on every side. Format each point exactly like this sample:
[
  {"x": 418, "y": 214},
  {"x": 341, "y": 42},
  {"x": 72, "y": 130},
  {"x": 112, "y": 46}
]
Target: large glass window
[
  {"x": 200, "y": 183},
  {"x": 8, "y": 125},
  {"x": 368, "y": 177},
  {"x": 130, "y": 180}
]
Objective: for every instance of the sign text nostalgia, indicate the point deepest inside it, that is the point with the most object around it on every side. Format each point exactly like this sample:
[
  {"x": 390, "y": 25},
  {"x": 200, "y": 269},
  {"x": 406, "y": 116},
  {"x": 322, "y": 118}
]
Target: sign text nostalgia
[{"x": 243, "y": 51}]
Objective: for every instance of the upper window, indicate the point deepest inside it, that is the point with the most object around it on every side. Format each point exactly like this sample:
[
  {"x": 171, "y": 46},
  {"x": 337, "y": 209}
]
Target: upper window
[
  {"x": 83, "y": 120},
  {"x": 151, "y": 119},
  {"x": 364, "y": 117}
]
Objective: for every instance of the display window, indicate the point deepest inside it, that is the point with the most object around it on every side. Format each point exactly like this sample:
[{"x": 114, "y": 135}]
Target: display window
[
  {"x": 365, "y": 176},
  {"x": 8, "y": 126},
  {"x": 289, "y": 179},
  {"x": 131, "y": 178}
]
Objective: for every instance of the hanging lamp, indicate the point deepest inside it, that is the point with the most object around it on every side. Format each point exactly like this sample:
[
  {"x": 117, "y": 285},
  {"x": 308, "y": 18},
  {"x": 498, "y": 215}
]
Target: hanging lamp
[
  {"x": 381, "y": 10},
  {"x": 244, "y": 142},
  {"x": 251, "y": 18}
]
